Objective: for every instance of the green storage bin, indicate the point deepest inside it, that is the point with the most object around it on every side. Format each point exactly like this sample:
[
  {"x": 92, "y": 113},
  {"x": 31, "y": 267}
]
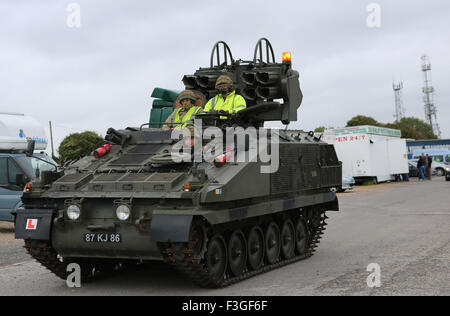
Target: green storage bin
[
  {"x": 155, "y": 118},
  {"x": 165, "y": 94},
  {"x": 159, "y": 104},
  {"x": 165, "y": 114}
]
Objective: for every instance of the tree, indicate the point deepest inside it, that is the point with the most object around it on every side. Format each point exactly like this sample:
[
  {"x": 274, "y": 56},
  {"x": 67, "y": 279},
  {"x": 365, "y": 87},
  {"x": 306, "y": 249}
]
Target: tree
[
  {"x": 361, "y": 120},
  {"x": 411, "y": 127},
  {"x": 320, "y": 129},
  {"x": 78, "y": 145},
  {"x": 422, "y": 129}
]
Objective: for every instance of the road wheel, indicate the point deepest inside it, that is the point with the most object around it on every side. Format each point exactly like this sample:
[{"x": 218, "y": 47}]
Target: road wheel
[
  {"x": 237, "y": 253},
  {"x": 216, "y": 258},
  {"x": 272, "y": 242},
  {"x": 288, "y": 239},
  {"x": 255, "y": 242},
  {"x": 301, "y": 236},
  {"x": 439, "y": 172}
]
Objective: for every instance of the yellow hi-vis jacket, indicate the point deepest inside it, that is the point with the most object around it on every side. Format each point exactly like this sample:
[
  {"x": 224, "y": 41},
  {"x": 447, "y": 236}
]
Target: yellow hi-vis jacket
[
  {"x": 187, "y": 117},
  {"x": 233, "y": 103}
]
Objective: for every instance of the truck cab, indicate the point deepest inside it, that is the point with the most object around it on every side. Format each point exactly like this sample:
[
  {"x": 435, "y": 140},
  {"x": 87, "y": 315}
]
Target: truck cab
[{"x": 16, "y": 169}]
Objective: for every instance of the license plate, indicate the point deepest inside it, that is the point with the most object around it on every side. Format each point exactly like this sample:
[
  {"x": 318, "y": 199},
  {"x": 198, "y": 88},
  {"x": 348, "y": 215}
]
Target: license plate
[{"x": 103, "y": 238}]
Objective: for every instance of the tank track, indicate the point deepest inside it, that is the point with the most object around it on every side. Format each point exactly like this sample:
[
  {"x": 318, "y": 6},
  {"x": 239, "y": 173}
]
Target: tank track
[
  {"x": 187, "y": 258},
  {"x": 191, "y": 263},
  {"x": 91, "y": 269},
  {"x": 43, "y": 253}
]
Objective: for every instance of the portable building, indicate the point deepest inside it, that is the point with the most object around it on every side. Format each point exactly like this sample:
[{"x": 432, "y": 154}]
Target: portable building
[{"x": 370, "y": 152}]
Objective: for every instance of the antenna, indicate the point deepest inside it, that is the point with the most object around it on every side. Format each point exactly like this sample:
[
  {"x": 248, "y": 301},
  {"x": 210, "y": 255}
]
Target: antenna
[
  {"x": 399, "y": 111},
  {"x": 428, "y": 91}
]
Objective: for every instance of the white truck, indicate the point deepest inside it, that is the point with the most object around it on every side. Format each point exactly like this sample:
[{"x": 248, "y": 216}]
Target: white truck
[
  {"x": 369, "y": 152},
  {"x": 16, "y": 169}
]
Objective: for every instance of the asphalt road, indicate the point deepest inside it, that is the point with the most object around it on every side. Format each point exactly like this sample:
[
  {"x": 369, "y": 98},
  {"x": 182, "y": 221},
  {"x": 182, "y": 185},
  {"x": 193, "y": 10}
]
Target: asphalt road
[{"x": 402, "y": 227}]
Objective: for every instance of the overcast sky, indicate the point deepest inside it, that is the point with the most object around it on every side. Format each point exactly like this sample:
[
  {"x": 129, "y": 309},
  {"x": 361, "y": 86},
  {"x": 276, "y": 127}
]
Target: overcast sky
[{"x": 101, "y": 74}]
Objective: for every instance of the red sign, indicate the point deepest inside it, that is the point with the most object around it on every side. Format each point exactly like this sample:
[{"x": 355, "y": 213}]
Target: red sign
[
  {"x": 31, "y": 224},
  {"x": 343, "y": 139}
]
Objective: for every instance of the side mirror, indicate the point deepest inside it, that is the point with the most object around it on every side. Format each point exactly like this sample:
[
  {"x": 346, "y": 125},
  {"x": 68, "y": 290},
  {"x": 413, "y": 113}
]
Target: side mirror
[{"x": 30, "y": 148}]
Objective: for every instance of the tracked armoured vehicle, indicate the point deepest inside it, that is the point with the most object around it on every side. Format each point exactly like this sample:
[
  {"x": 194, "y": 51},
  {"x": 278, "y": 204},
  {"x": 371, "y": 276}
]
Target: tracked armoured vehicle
[{"x": 218, "y": 221}]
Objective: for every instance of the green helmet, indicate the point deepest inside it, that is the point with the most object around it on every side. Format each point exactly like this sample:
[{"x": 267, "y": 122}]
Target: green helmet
[
  {"x": 224, "y": 80},
  {"x": 189, "y": 95}
]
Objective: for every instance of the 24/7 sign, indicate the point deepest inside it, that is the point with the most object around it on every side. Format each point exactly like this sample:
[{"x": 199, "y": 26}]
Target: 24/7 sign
[{"x": 356, "y": 138}]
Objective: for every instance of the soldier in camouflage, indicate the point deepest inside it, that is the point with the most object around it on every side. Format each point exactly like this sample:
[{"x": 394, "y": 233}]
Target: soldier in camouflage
[
  {"x": 183, "y": 115},
  {"x": 227, "y": 100}
]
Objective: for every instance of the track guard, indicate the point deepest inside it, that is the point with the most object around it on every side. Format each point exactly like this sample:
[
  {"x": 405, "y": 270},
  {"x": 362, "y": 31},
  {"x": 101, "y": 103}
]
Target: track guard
[
  {"x": 334, "y": 205},
  {"x": 173, "y": 228},
  {"x": 33, "y": 224}
]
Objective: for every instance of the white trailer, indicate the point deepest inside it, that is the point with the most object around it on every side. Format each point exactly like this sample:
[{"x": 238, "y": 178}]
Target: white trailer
[
  {"x": 369, "y": 152},
  {"x": 16, "y": 129}
]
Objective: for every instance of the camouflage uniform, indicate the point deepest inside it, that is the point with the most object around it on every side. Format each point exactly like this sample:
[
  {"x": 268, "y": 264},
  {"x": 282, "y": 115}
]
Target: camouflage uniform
[
  {"x": 231, "y": 102},
  {"x": 182, "y": 110}
]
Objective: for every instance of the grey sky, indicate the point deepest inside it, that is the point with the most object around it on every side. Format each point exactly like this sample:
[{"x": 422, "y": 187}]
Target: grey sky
[{"x": 101, "y": 75}]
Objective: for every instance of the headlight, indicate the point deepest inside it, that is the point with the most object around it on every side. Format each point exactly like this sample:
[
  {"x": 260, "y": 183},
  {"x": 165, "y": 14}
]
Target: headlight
[
  {"x": 73, "y": 212},
  {"x": 123, "y": 212}
]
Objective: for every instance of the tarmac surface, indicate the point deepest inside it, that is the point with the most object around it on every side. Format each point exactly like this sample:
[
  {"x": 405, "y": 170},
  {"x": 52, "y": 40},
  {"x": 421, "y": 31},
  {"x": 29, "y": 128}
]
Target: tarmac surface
[{"x": 401, "y": 227}]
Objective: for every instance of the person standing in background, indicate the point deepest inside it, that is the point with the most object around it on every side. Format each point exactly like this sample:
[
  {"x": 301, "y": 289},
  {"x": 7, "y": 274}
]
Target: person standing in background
[
  {"x": 421, "y": 165},
  {"x": 429, "y": 161}
]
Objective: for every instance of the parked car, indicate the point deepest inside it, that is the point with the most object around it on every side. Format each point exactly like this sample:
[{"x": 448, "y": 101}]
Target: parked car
[
  {"x": 437, "y": 168},
  {"x": 413, "y": 170},
  {"x": 347, "y": 183},
  {"x": 440, "y": 168}
]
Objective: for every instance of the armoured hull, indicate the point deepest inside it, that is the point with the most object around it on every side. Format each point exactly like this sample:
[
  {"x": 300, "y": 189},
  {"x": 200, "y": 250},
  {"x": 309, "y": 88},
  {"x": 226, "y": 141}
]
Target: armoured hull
[{"x": 234, "y": 192}]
